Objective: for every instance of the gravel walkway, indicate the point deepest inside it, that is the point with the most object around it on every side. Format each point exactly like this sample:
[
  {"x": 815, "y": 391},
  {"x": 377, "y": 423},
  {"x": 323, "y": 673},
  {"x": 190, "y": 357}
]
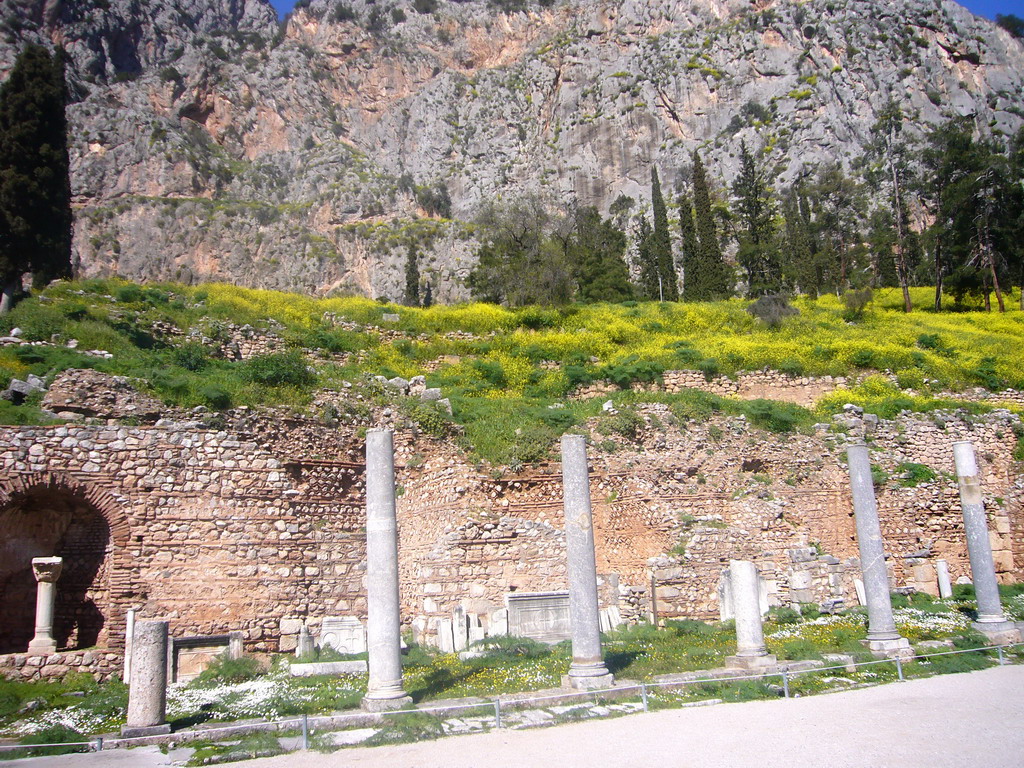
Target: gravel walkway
[{"x": 974, "y": 719}]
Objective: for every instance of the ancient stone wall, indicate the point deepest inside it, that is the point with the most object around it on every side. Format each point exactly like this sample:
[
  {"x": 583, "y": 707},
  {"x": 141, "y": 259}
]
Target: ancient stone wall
[
  {"x": 243, "y": 522},
  {"x": 100, "y": 664}
]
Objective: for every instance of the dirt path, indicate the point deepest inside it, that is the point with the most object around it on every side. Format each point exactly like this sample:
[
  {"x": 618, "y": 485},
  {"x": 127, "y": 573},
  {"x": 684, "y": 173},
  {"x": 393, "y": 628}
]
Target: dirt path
[{"x": 960, "y": 720}]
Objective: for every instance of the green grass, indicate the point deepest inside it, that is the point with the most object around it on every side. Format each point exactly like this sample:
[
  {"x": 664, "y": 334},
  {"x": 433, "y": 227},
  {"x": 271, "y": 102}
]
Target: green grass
[{"x": 504, "y": 368}]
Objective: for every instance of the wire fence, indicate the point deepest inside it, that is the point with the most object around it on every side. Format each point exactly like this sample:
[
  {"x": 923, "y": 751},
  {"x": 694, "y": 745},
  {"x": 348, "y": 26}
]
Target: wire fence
[{"x": 305, "y": 725}]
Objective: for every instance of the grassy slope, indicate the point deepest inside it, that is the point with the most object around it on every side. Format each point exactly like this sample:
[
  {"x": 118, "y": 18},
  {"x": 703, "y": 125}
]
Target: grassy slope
[{"x": 499, "y": 370}]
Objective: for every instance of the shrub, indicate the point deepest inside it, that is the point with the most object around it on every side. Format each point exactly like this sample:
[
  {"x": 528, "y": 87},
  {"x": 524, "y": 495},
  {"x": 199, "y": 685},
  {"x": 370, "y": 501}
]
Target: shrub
[
  {"x": 783, "y": 614},
  {"x": 863, "y": 358},
  {"x": 915, "y": 474},
  {"x": 128, "y": 294},
  {"x": 38, "y": 322},
  {"x": 985, "y": 373},
  {"x": 879, "y": 477},
  {"x": 856, "y": 303},
  {"x": 626, "y": 423},
  {"x": 192, "y": 356},
  {"x": 631, "y": 369},
  {"x": 709, "y": 368},
  {"x": 277, "y": 369},
  {"x": 216, "y": 397},
  {"x": 791, "y": 366},
  {"x": 772, "y": 310},
  {"x": 776, "y": 416},
  {"x": 226, "y": 670}
]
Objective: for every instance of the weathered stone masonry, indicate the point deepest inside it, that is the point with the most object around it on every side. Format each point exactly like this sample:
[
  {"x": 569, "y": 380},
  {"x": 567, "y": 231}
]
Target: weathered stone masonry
[{"x": 258, "y": 525}]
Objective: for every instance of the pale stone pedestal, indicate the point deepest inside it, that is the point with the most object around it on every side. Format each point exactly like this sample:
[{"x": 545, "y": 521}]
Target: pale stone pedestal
[
  {"x": 139, "y": 732},
  {"x": 589, "y": 683},
  {"x": 890, "y": 648},
  {"x": 378, "y": 704},
  {"x": 998, "y": 632},
  {"x": 752, "y": 663}
]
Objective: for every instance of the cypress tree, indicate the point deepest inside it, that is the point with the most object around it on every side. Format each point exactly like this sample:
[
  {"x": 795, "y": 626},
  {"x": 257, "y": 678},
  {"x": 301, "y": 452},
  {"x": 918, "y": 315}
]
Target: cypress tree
[
  {"x": 412, "y": 277},
  {"x": 712, "y": 279},
  {"x": 596, "y": 249},
  {"x": 690, "y": 255},
  {"x": 428, "y": 295},
  {"x": 754, "y": 205},
  {"x": 35, "y": 190},
  {"x": 647, "y": 287},
  {"x": 661, "y": 243}
]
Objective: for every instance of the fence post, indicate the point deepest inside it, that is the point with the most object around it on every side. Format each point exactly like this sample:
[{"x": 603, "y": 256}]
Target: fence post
[
  {"x": 643, "y": 695},
  {"x": 497, "y": 713},
  {"x": 98, "y": 744},
  {"x": 999, "y": 648},
  {"x": 785, "y": 682},
  {"x": 305, "y": 731},
  {"x": 899, "y": 669}
]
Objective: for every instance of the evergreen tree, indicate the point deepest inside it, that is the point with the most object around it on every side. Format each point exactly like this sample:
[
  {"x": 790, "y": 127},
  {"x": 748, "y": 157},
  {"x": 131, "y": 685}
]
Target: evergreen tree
[
  {"x": 757, "y": 253},
  {"x": 661, "y": 244},
  {"x": 647, "y": 259},
  {"x": 801, "y": 269},
  {"x": 888, "y": 156},
  {"x": 428, "y": 295},
  {"x": 596, "y": 249},
  {"x": 412, "y": 277},
  {"x": 838, "y": 208},
  {"x": 689, "y": 238},
  {"x": 35, "y": 190},
  {"x": 711, "y": 278}
]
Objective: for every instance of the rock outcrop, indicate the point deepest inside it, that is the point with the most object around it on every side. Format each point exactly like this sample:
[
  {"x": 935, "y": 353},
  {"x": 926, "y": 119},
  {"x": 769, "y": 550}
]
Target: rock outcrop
[{"x": 210, "y": 142}]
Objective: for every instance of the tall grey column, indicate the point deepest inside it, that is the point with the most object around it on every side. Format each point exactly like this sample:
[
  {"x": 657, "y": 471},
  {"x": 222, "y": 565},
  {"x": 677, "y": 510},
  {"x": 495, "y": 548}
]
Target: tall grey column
[
  {"x": 147, "y": 693},
  {"x": 942, "y": 573},
  {"x": 991, "y": 620},
  {"x": 883, "y": 639},
  {"x": 587, "y": 669},
  {"x": 383, "y": 621},
  {"x": 746, "y": 599},
  {"x": 47, "y": 571}
]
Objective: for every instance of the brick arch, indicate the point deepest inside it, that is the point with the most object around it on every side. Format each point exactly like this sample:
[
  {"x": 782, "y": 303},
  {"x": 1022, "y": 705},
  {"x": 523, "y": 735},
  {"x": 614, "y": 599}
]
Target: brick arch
[
  {"x": 104, "y": 501},
  {"x": 94, "y": 605}
]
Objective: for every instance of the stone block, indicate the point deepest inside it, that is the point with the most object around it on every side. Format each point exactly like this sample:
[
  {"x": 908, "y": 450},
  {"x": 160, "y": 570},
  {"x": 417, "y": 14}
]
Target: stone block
[
  {"x": 291, "y": 626},
  {"x": 345, "y": 634},
  {"x": 355, "y": 667}
]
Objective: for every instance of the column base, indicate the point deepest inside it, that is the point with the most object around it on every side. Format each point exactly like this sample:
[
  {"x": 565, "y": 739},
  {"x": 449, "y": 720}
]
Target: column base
[
  {"x": 371, "y": 704},
  {"x": 890, "y": 648},
  {"x": 588, "y": 682},
  {"x": 998, "y": 632},
  {"x": 43, "y": 647},
  {"x": 752, "y": 663},
  {"x": 139, "y": 731}
]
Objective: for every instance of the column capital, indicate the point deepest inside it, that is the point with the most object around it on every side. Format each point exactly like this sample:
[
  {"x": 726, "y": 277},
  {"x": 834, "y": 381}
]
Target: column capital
[{"x": 47, "y": 568}]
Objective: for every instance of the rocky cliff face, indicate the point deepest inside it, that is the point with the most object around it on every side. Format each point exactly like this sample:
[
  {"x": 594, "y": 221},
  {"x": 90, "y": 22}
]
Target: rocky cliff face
[{"x": 210, "y": 142}]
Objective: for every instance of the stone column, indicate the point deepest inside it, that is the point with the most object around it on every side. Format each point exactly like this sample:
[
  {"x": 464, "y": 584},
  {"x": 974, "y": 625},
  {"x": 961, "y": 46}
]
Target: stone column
[
  {"x": 147, "y": 694},
  {"x": 47, "y": 571},
  {"x": 942, "y": 572},
  {"x": 751, "y": 652},
  {"x": 883, "y": 639},
  {"x": 991, "y": 621},
  {"x": 587, "y": 669},
  {"x": 129, "y": 638},
  {"x": 383, "y": 622}
]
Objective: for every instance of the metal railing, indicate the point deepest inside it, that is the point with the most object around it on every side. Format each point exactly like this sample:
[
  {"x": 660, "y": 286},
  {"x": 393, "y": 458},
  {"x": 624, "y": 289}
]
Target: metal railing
[{"x": 306, "y": 724}]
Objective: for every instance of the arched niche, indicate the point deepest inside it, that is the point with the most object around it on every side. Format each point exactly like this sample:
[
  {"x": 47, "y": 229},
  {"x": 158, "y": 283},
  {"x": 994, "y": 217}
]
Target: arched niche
[{"x": 45, "y": 516}]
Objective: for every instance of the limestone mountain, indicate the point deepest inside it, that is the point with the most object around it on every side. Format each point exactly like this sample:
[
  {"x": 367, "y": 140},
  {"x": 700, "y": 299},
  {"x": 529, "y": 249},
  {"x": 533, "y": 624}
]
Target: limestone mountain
[{"x": 211, "y": 142}]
